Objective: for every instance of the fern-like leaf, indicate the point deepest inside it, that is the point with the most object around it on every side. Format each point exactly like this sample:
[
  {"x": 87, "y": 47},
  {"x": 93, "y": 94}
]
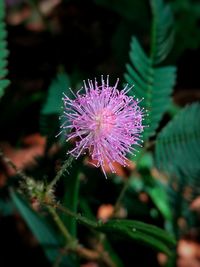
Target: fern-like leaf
[
  {"x": 3, "y": 50},
  {"x": 152, "y": 82},
  {"x": 178, "y": 144}
]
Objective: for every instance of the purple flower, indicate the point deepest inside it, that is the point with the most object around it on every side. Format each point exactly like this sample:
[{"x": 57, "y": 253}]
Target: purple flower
[{"x": 105, "y": 121}]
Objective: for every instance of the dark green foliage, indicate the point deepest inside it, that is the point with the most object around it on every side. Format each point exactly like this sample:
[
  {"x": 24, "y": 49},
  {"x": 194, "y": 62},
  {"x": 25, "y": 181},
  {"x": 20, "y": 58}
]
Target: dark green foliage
[
  {"x": 187, "y": 13},
  {"x": 140, "y": 232},
  {"x": 133, "y": 230},
  {"x": 52, "y": 108},
  {"x": 131, "y": 10},
  {"x": 3, "y": 50},
  {"x": 177, "y": 153},
  {"x": 155, "y": 191},
  {"x": 153, "y": 187},
  {"x": 162, "y": 31},
  {"x": 177, "y": 145},
  {"x": 56, "y": 89},
  {"x": 71, "y": 197},
  {"x": 154, "y": 84},
  {"x": 82, "y": 190},
  {"x": 41, "y": 230},
  {"x": 6, "y": 207},
  {"x": 86, "y": 210},
  {"x": 180, "y": 202}
]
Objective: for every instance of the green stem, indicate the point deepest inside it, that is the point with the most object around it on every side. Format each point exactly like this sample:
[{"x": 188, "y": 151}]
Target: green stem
[
  {"x": 126, "y": 185},
  {"x": 60, "y": 173},
  {"x": 78, "y": 217},
  {"x": 71, "y": 199},
  {"x": 120, "y": 197},
  {"x": 153, "y": 42},
  {"x": 60, "y": 224},
  {"x": 95, "y": 255}
]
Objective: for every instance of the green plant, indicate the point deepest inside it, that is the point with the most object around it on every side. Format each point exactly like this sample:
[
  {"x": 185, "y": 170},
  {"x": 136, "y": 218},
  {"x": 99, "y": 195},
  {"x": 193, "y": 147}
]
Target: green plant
[
  {"x": 61, "y": 206},
  {"x": 177, "y": 154},
  {"x": 52, "y": 107},
  {"x": 3, "y": 50},
  {"x": 153, "y": 82}
]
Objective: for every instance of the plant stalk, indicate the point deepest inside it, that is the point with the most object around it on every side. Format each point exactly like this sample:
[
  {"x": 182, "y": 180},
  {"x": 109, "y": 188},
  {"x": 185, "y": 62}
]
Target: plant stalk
[
  {"x": 60, "y": 173},
  {"x": 60, "y": 224}
]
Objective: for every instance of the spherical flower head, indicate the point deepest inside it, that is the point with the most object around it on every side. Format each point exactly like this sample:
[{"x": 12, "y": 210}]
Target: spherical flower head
[{"x": 104, "y": 121}]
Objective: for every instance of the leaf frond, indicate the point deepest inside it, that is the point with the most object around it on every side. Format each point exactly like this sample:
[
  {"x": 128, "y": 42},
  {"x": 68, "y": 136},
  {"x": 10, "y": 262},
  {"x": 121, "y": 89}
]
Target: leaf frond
[
  {"x": 3, "y": 51},
  {"x": 153, "y": 82}
]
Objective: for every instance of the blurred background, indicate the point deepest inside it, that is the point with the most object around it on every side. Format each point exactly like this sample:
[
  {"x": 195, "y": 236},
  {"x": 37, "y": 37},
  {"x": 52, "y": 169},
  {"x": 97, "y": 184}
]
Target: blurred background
[{"x": 85, "y": 39}]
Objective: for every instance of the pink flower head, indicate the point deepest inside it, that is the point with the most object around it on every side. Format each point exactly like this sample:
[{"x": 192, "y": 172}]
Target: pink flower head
[{"x": 105, "y": 121}]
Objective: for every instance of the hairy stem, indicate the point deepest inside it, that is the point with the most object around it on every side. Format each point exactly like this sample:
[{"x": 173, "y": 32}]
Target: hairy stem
[
  {"x": 60, "y": 224},
  {"x": 77, "y": 216},
  {"x": 60, "y": 173},
  {"x": 81, "y": 251}
]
